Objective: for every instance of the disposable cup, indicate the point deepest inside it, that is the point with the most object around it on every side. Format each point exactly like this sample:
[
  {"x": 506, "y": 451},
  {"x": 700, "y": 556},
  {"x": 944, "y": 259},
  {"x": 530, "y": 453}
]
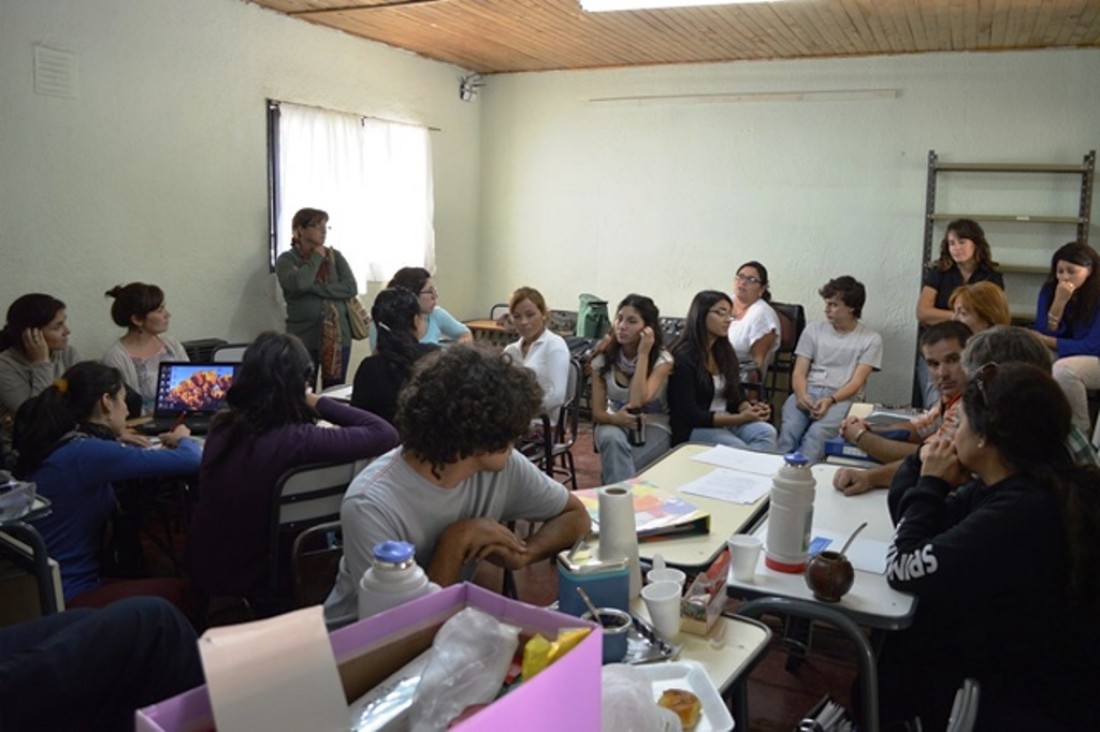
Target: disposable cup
[
  {"x": 744, "y": 553},
  {"x": 666, "y": 574},
  {"x": 662, "y": 600}
]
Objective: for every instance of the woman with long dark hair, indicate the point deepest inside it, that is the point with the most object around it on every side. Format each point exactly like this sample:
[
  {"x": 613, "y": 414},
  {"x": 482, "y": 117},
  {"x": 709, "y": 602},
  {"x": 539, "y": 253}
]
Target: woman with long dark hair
[
  {"x": 704, "y": 392},
  {"x": 1066, "y": 322},
  {"x": 140, "y": 309},
  {"x": 34, "y": 351},
  {"x": 399, "y": 324},
  {"x": 67, "y": 439},
  {"x": 269, "y": 427},
  {"x": 1006, "y": 568},
  {"x": 317, "y": 282},
  {"x": 629, "y": 384}
]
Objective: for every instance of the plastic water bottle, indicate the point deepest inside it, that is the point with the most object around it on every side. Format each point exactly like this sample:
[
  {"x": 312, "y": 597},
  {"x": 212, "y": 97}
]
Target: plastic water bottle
[
  {"x": 395, "y": 578},
  {"x": 790, "y": 515}
]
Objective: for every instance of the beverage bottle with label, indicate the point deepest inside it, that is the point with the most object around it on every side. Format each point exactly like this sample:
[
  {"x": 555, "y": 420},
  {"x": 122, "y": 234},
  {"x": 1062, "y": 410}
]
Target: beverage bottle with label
[
  {"x": 790, "y": 515},
  {"x": 393, "y": 579}
]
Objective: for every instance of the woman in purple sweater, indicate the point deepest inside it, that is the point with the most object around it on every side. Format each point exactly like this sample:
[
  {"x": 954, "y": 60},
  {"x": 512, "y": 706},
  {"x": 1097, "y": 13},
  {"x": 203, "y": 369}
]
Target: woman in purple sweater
[{"x": 270, "y": 427}]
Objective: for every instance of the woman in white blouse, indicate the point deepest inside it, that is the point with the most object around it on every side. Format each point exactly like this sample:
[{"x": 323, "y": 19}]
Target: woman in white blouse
[
  {"x": 539, "y": 349},
  {"x": 754, "y": 332}
]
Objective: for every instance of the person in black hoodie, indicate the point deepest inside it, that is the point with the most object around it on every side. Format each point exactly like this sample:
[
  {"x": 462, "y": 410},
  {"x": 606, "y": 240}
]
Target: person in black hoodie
[{"x": 1006, "y": 568}]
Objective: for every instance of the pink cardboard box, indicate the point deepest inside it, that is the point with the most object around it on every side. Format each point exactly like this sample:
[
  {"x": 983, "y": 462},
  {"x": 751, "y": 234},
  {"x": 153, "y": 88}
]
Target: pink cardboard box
[{"x": 566, "y": 696}]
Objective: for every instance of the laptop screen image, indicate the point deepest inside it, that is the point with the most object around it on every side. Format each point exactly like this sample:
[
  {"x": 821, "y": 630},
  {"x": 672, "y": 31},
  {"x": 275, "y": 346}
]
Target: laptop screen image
[{"x": 195, "y": 388}]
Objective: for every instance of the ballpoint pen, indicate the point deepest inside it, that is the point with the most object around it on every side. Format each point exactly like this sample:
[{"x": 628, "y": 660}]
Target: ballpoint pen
[{"x": 179, "y": 421}]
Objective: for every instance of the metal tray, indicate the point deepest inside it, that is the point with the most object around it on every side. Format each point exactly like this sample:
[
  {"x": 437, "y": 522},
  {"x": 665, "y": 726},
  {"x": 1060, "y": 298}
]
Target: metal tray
[{"x": 645, "y": 645}]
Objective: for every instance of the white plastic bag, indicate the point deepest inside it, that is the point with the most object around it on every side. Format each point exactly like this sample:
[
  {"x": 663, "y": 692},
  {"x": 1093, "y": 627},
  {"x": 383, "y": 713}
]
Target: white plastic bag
[
  {"x": 628, "y": 704},
  {"x": 470, "y": 656}
]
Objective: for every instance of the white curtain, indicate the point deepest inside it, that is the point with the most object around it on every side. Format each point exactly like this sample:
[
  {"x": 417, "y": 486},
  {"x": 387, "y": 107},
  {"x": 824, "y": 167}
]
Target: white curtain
[{"x": 374, "y": 178}]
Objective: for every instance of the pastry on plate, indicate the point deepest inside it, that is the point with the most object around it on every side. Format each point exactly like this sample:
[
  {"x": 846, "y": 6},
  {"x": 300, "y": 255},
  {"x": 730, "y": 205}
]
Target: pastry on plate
[{"x": 685, "y": 704}]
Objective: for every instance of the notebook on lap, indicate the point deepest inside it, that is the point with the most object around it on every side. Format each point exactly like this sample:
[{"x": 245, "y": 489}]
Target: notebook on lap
[{"x": 193, "y": 389}]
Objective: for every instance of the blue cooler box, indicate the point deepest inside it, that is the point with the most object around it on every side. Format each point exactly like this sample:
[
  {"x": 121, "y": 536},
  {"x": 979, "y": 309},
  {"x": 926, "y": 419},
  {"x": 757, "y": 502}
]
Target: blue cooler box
[{"x": 607, "y": 582}]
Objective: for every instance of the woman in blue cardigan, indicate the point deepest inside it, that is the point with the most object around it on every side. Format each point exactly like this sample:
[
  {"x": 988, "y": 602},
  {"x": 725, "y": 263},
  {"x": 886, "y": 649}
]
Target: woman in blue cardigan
[
  {"x": 1067, "y": 323},
  {"x": 67, "y": 440}
]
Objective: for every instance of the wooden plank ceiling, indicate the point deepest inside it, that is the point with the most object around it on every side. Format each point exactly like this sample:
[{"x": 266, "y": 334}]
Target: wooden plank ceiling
[{"x": 493, "y": 36}]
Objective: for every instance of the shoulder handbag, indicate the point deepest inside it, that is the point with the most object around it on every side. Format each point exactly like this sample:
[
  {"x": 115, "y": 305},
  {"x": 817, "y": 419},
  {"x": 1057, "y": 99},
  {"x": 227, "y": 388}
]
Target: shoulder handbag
[{"x": 358, "y": 319}]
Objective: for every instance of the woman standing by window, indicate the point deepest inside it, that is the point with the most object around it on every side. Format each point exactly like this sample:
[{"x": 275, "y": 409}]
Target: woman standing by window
[
  {"x": 1067, "y": 323},
  {"x": 629, "y": 378},
  {"x": 317, "y": 282},
  {"x": 754, "y": 331},
  {"x": 140, "y": 309},
  {"x": 704, "y": 394}
]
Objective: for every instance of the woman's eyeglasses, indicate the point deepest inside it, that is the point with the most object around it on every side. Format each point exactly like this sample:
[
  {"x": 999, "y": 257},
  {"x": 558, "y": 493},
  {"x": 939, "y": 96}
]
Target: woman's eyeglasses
[
  {"x": 721, "y": 313},
  {"x": 748, "y": 278},
  {"x": 430, "y": 291}
]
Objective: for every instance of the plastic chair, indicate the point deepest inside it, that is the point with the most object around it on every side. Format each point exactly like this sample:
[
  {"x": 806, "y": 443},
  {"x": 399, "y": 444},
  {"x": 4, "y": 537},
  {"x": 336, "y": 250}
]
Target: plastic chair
[
  {"x": 792, "y": 321},
  {"x": 229, "y": 352}
]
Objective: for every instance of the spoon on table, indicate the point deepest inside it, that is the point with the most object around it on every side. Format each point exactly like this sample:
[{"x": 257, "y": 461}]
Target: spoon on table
[
  {"x": 591, "y": 606},
  {"x": 844, "y": 549}
]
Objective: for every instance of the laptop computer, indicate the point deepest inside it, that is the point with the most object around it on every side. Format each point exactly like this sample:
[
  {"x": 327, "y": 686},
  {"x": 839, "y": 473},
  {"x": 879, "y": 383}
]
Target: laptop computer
[{"x": 195, "y": 389}]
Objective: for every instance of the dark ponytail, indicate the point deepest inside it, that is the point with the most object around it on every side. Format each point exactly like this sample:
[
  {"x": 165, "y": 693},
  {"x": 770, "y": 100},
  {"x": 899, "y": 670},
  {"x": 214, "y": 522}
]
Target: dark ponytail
[
  {"x": 64, "y": 407},
  {"x": 394, "y": 314}
]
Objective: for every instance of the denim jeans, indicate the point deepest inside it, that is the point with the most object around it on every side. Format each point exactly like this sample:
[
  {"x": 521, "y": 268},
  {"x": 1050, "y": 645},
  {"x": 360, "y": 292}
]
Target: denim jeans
[
  {"x": 758, "y": 436},
  {"x": 800, "y": 432},
  {"x": 619, "y": 460}
]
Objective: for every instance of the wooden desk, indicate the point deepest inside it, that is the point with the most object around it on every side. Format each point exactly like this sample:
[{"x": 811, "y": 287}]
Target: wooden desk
[
  {"x": 871, "y": 601},
  {"x": 696, "y": 552},
  {"x": 739, "y": 642},
  {"x": 488, "y": 331}
]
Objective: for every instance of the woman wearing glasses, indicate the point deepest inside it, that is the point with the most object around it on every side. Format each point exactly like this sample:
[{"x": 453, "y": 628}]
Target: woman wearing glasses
[
  {"x": 1006, "y": 567},
  {"x": 754, "y": 331},
  {"x": 441, "y": 324},
  {"x": 1067, "y": 324},
  {"x": 317, "y": 282},
  {"x": 704, "y": 394}
]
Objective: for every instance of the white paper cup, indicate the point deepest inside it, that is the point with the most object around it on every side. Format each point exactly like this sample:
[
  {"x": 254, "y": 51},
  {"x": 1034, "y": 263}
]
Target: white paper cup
[
  {"x": 744, "y": 553},
  {"x": 662, "y": 600},
  {"x": 666, "y": 574}
]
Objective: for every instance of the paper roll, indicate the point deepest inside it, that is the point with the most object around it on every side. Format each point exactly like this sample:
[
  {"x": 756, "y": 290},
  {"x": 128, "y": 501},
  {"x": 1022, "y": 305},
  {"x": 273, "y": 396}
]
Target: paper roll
[{"x": 618, "y": 536}]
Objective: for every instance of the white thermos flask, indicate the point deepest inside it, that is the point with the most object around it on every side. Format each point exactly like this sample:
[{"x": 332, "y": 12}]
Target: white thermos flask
[
  {"x": 790, "y": 515},
  {"x": 393, "y": 579}
]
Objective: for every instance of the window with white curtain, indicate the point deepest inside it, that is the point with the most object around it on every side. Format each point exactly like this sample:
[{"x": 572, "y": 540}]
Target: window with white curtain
[{"x": 373, "y": 177}]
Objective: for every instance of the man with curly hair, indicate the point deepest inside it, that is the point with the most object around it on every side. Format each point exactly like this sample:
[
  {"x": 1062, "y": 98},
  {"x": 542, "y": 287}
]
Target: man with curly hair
[{"x": 457, "y": 479}]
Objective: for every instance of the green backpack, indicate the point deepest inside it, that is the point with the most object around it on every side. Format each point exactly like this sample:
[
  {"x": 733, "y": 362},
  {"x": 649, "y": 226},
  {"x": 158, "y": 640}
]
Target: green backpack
[{"x": 592, "y": 317}]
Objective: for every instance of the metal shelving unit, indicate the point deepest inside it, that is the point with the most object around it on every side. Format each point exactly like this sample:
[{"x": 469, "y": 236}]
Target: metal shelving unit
[{"x": 1085, "y": 169}]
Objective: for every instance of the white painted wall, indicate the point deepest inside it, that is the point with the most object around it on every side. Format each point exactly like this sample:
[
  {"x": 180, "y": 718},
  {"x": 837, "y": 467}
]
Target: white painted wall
[
  {"x": 667, "y": 199},
  {"x": 156, "y": 172}
]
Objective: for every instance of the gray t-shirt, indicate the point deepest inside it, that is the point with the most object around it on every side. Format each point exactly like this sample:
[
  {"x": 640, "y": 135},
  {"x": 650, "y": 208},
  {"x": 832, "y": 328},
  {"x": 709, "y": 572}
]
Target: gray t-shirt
[
  {"x": 390, "y": 500},
  {"x": 834, "y": 355}
]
